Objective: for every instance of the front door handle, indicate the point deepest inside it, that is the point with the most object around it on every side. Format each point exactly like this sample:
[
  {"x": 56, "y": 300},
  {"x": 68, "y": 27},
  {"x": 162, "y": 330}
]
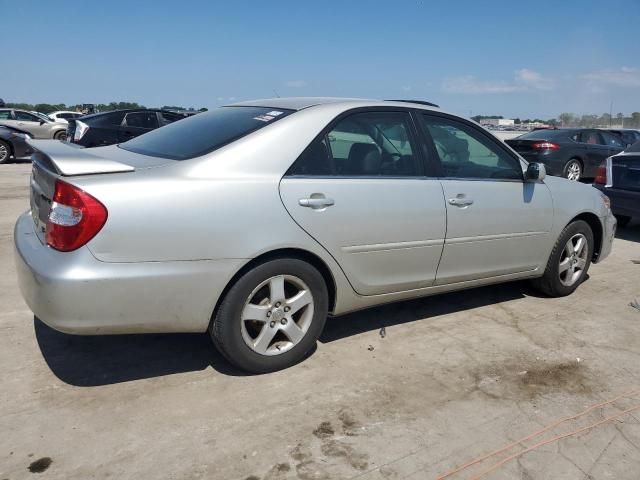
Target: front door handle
[
  {"x": 460, "y": 202},
  {"x": 316, "y": 203}
]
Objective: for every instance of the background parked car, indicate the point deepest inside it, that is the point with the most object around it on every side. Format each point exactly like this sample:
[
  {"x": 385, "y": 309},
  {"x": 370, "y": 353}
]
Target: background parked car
[
  {"x": 572, "y": 153},
  {"x": 629, "y": 136},
  {"x": 107, "y": 128},
  {"x": 13, "y": 144},
  {"x": 63, "y": 115},
  {"x": 619, "y": 179},
  {"x": 37, "y": 126}
]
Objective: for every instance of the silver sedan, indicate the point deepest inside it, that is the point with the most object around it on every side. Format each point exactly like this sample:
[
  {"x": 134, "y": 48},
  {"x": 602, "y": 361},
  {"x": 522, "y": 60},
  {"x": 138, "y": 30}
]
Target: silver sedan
[{"x": 257, "y": 220}]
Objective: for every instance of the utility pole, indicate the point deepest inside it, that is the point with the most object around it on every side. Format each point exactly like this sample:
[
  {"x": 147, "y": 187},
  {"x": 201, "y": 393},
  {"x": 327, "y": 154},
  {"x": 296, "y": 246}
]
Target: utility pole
[{"x": 610, "y": 112}]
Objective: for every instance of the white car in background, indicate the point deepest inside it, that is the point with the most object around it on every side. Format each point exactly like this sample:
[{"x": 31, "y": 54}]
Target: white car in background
[{"x": 62, "y": 116}]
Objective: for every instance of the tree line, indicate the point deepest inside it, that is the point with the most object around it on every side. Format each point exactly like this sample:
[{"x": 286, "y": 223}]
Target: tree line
[
  {"x": 584, "y": 121},
  {"x": 101, "y": 107}
]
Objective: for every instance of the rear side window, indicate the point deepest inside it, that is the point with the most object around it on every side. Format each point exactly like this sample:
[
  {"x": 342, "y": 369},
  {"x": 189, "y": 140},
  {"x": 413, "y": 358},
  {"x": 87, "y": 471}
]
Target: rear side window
[
  {"x": 105, "y": 119},
  {"x": 142, "y": 119},
  {"x": 5, "y": 115},
  {"x": 372, "y": 144},
  {"x": 203, "y": 133},
  {"x": 166, "y": 118},
  {"x": 26, "y": 117},
  {"x": 591, "y": 138}
]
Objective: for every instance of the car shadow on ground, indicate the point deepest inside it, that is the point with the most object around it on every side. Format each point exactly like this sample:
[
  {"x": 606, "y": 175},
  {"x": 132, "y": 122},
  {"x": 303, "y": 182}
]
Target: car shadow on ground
[{"x": 88, "y": 361}]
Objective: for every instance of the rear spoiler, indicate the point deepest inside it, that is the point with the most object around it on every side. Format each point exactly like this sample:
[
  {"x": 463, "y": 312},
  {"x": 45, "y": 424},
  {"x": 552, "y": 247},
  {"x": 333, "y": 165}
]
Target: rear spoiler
[{"x": 68, "y": 159}]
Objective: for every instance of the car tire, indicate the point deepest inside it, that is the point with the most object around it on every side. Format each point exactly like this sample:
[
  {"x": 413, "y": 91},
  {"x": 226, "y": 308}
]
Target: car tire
[
  {"x": 569, "y": 262},
  {"x": 623, "y": 220},
  {"x": 573, "y": 170},
  {"x": 5, "y": 152},
  {"x": 252, "y": 327},
  {"x": 61, "y": 135}
]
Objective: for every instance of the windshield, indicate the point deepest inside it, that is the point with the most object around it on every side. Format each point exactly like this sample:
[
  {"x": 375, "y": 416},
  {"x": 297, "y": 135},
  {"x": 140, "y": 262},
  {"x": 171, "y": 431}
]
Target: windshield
[{"x": 203, "y": 133}]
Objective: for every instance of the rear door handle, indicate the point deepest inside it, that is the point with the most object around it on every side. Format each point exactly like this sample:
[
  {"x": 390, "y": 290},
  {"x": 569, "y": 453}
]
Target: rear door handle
[
  {"x": 460, "y": 202},
  {"x": 316, "y": 203}
]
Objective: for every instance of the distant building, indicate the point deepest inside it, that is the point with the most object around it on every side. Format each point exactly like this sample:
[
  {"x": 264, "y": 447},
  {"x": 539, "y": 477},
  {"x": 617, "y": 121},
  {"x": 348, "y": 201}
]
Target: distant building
[{"x": 498, "y": 122}]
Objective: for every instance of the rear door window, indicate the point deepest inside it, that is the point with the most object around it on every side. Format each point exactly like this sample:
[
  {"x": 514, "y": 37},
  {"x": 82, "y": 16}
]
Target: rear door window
[
  {"x": 203, "y": 133},
  {"x": 371, "y": 144},
  {"x": 26, "y": 117},
  {"x": 142, "y": 120},
  {"x": 5, "y": 114},
  {"x": 612, "y": 140},
  {"x": 167, "y": 117},
  {"x": 591, "y": 137}
]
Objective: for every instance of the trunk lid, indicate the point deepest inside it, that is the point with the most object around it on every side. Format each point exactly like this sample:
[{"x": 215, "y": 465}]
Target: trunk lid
[
  {"x": 523, "y": 146},
  {"x": 54, "y": 159},
  {"x": 625, "y": 171}
]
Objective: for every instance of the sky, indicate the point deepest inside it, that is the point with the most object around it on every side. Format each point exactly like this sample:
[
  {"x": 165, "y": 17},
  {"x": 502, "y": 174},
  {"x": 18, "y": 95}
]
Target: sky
[{"x": 514, "y": 58}]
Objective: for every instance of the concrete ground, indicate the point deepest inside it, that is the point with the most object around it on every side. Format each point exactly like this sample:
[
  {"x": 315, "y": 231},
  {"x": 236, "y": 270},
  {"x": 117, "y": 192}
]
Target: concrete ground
[{"x": 454, "y": 378}]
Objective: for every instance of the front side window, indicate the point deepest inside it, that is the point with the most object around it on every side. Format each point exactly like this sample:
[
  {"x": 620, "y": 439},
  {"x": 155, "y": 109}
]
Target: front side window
[
  {"x": 5, "y": 115},
  {"x": 591, "y": 138},
  {"x": 203, "y": 133},
  {"x": 466, "y": 153},
  {"x": 142, "y": 120},
  {"x": 26, "y": 117},
  {"x": 371, "y": 144},
  {"x": 612, "y": 140}
]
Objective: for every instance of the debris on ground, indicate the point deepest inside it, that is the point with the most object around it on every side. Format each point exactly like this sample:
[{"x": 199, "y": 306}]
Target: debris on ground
[
  {"x": 637, "y": 262},
  {"x": 370, "y": 348},
  {"x": 635, "y": 304},
  {"x": 383, "y": 332}
]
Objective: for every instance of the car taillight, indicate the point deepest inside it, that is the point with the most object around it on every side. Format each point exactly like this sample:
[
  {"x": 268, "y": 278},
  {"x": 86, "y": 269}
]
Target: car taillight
[
  {"x": 75, "y": 218},
  {"x": 601, "y": 174},
  {"x": 81, "y": 129},
  {"x": 545, "y": 146}
]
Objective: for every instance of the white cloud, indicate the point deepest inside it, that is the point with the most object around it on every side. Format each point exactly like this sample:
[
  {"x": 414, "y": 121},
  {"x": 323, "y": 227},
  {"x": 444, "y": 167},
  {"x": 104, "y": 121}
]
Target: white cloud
[
  {"x": 623, "y": 77},
  {"x": 524, "y": 80},
  {"x": 295, "y": 83}
]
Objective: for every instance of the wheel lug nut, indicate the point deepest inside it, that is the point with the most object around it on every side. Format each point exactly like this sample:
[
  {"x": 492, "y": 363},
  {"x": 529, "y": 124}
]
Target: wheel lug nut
[
  {"x": 269, "y": 313},
  {"x": 272, "y": 324},
  {"x": 286, "y": 309},
  {"x": 283, "y": 321},
  {"x": 277, "y": 304}
]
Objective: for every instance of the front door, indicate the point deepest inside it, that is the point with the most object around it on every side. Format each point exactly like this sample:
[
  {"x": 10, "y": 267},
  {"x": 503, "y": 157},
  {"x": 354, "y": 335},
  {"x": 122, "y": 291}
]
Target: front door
[
  {"x": 31, "y": 123},
  {"x": 497, "y": 224},
  {"x": 359, "y": 190}
]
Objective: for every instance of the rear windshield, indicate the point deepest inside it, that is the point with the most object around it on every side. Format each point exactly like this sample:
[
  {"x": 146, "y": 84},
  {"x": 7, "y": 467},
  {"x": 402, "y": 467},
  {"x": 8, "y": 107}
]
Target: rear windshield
[
  {"x": 204, "y": 132},
  {"x": 543, "y": 134},
  {"x": 634, "y": 148}
]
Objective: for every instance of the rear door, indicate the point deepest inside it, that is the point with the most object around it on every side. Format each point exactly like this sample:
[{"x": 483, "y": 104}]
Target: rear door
[
  {"x": 497, "y": 224},
  {"x": 597, "y": 151},
  {"x": 137, "y": 123},
  {"x": 32, "y": 124},
  {"x": 360, "y": 191}
]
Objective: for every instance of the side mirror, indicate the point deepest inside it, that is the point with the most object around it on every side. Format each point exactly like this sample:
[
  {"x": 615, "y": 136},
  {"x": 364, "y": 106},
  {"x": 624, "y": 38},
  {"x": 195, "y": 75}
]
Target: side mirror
[
  {"x": 41, "y": 122},
  {"x": 535, "y": 172}
]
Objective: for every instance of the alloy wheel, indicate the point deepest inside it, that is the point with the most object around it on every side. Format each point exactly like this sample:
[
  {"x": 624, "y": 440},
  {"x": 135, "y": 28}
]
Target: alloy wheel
[
  {"x": 4, "y": 153},
  {"x": 277, "y": 315},
  {"x": 573, "y": 260},
  {"x": 574, "y": 170}
]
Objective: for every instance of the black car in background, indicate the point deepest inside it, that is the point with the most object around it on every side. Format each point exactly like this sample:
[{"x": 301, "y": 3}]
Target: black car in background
[
  {"x": 573, "y": 153},
  {"x": 13, "y": 143},
  {"x": 629, "y": 136},
  {"x": 619, "y": 179},
  {"x": 118, "y": 126}
]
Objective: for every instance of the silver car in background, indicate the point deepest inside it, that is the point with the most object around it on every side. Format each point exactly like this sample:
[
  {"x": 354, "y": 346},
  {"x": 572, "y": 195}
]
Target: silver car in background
[
  {"x": 257, "y": 220},
  {"x": 38, "y": 125}
]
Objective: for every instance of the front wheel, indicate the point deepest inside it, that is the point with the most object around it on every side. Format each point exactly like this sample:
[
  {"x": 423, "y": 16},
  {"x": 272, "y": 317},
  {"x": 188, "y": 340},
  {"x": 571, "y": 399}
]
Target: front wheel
[
  {"x": 573, "y": 170},
  {"x": 569, "y": 262},
  {"x": 272, "y": 316}
]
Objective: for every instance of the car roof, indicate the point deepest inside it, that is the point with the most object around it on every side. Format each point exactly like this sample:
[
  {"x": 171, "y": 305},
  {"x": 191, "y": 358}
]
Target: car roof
[
  {"x": 126, "y": 110},
  {"x": 300, "y": 103}
]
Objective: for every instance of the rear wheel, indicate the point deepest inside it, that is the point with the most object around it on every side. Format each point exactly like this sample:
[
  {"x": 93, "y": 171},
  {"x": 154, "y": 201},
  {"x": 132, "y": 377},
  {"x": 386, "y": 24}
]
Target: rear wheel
[
  {"x": 272, "y": 316},
  {"x": 61, "y": 135},
  {"x": 569, "y": 262},
  {"x": 5, "y": 151},
  {"x": 573, "y": 170}
]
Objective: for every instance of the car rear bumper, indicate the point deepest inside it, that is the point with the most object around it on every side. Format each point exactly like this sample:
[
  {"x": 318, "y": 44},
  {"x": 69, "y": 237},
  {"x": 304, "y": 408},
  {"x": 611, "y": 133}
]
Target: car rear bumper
[
  {"x": 623, "y": 202},
  {"x": 74, "y": 292}
]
